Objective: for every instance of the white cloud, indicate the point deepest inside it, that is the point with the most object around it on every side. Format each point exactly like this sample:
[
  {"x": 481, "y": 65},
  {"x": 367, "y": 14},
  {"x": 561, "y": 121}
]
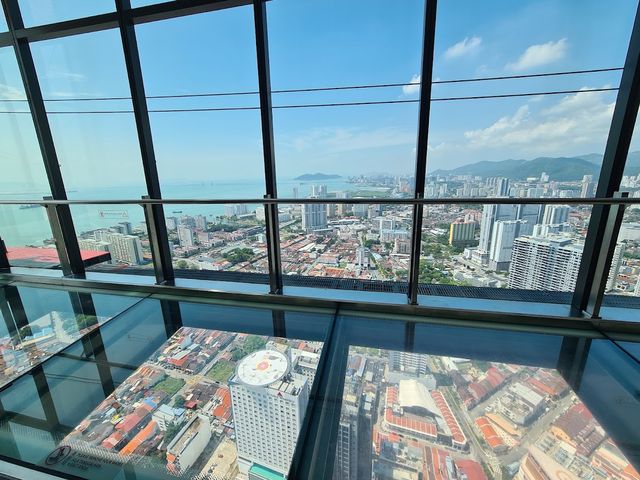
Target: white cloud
[
  {"x": 412, "y": 89},
  {"x": 338, "y": 140},
  {"x": 579, "y": 119},
  {"x": 74, "y": 77},
  {"x": 7, "y": 92},
  {"x": 540, "y": 55},
  {"x": 464, "y": 47}
]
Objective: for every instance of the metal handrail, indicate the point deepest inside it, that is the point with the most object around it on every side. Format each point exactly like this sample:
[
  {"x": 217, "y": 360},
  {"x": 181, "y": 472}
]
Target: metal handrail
[{"x": 345, "y": 201}]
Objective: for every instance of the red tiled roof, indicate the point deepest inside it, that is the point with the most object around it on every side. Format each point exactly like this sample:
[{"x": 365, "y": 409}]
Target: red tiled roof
[
  {"x": 129, "y": 422},
  {"x": 488, "y": 432},
  {"x": 456, "y": 432}
]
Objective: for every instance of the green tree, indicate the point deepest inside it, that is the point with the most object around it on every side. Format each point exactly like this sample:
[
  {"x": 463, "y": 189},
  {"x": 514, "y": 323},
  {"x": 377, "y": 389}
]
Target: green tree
[
  {"x": 238, "y": 255},
  {"x": 179, "y": 401}
]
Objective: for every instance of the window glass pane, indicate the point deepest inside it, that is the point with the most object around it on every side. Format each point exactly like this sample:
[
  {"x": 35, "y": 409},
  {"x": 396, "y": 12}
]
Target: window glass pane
[
  {"x": 23, "y": 173},
  {"x": 520, "y": 138},
  {"x": 357, "y": 241},
  {"x": 3, "y": 23},
  {"x": 95, "y": 139},
  {"x": 624, "y": 276},
  {"x": 333, "y": 43},
  {"x": 38, "y": 12},
  {"x": 114, "y": 235},
  {"x": 27, "y": 235},
  {"x": 214, "y": 238},
  {"x": 210, "y": 153},
  {"x": 527, "y": 247},
  {"x": 36, "y": 323}
]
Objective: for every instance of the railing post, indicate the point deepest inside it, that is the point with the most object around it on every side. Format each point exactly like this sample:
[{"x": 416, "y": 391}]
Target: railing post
[
  {"x": 271, "y": 210},
  {"x": 64, "y": 235},
  {"x": 158, "y": 242},
  {"x": 4, "y": 259},
  {"x": 63, "y": 230},
  {"x": 428, "y": 40},
  {"x": 615, "y": 156},
  {"x": 154, "y": 214}
]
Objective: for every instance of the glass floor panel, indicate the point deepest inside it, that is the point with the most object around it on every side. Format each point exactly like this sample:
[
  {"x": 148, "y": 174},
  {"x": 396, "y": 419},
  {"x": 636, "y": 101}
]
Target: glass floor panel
[
  {"x": 170, "y": 389},
  {"x": 36, "y": 323},
  {"x": 440, "y": 402},
  {"x": 222, "y": 390}
]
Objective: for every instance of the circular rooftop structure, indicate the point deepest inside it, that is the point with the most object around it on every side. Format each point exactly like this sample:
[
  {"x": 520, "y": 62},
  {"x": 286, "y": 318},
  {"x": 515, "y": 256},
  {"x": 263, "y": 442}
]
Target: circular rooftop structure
[{"x": 262, "y": 368}]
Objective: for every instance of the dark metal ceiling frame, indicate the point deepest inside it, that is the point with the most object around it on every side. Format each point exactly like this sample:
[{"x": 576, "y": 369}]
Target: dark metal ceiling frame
[{"x": 105, "y": 21}]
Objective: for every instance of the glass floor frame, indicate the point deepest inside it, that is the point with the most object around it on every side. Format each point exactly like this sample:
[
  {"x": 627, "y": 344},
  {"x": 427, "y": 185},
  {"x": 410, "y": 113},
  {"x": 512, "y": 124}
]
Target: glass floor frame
[{"x": 58, "y": 404}]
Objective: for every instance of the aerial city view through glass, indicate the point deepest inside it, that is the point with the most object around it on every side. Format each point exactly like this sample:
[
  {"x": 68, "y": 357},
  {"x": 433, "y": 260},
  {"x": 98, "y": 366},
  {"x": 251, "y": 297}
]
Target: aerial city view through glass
[
  {"x": 207, "y": 404},
  {"x": 414, "y": 416}
]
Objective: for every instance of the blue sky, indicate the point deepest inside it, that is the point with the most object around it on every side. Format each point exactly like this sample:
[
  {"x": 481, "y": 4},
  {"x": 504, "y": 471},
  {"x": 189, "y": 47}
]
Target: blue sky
[{"x": 316, "y": 44}]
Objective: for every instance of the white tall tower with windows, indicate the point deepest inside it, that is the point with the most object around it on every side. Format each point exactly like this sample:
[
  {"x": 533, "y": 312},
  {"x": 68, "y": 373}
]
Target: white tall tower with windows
[{"x": 268, "y": 401}]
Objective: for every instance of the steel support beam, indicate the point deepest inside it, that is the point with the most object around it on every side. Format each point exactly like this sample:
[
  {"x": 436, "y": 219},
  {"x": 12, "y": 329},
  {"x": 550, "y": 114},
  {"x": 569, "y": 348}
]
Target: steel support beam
[
  {"x": 154, "y": 214},
  {"x": 65, "y": 237},
  {"x": 613, "y": 163},
  {"x": 428, "y": 41},
  {"x": 266, "y": 114}
]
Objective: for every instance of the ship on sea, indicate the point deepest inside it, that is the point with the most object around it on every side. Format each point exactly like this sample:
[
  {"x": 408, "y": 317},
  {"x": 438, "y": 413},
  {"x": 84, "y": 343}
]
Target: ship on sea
[{"x": 28, "y": 205}]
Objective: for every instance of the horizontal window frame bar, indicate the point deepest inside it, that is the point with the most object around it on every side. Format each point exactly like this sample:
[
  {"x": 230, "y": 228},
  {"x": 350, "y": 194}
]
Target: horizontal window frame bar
[
  {"x": 454, "y": 315},
  {"x": 340, "y": 201},
  {"x": 110, "y": 20}
]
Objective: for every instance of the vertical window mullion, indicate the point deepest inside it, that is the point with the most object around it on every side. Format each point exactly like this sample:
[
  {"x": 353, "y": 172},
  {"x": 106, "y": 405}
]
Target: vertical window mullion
[
  {"x": 266, "y": 114},
  {"x": 154, "y": 213},
  {"x": 426, "y": 74}
]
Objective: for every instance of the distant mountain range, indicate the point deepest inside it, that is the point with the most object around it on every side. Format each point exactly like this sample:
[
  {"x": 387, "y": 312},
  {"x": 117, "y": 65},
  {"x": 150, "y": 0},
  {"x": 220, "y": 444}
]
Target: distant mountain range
[
  {"x": 316, "y": 176},
  {"x": 561, "y": 169}
]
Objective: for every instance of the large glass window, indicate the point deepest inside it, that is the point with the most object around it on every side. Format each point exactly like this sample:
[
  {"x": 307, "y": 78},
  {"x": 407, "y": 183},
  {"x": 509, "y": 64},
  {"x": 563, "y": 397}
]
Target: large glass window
[
  {"x": 38, "y": 12},
  {"x": 24, "y": 228},
  {"x": 216, "y": 238},
  {"x": 23, "y": 174},
  {"x": 355, "y": 241},
  {"x": 525, "y": 247},
  {"x": 329, "y": 44},
  {"x": 95, "y": 137},
  {"x": 546, "y": 143},
  {"x": 624, "y": 276},
  {"x": 207, "y": 145},
  {"x": 115, "y": 236},
  {"x": 3, "y": 23}
]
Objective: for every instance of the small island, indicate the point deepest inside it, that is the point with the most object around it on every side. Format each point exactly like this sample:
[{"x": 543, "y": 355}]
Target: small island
[{"x": 316, "y": 176}]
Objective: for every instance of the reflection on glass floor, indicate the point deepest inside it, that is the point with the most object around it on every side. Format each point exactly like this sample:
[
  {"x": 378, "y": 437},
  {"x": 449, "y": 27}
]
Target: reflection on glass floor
[
  {"x": 175, "y": 389},
  {"x": 37, "y": 323}
]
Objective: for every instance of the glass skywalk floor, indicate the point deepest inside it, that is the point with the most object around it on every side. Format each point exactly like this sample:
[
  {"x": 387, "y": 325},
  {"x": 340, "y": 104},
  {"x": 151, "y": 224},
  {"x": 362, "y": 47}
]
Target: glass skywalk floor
[{"x": 111, "y": 386}]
